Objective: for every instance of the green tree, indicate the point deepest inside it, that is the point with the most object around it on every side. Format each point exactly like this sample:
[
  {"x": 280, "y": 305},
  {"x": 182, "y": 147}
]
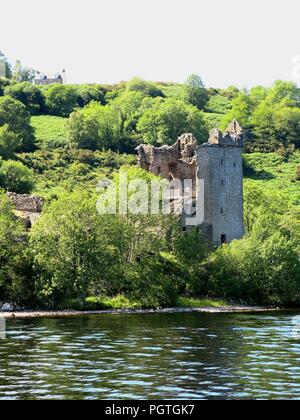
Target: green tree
[
  {"x": 268, "y": 277},
  {"x": 108, "y": 127},
  {"x": 9, "y": 142},
  {"x": 22, "y": 74},
  {"x": 16, "y": 284},
  {"x": 167, "y": 120},
  {"x": 61, "y": 100},
  {"x": 30, "y": 95},
  {"x": 195, "y": 92},
  {"x": 147, "y": 88},
  {"x": 89, "y": 93},
  {"x": 15, "y": 177},
  {"x": 70, "y": 245},
  {"x": 4, "y": 82},
  {"x": 14, "y": 114}
]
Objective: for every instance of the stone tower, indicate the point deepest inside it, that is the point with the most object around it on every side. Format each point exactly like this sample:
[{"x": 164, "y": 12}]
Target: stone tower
[{"x": 220, "y": 165}]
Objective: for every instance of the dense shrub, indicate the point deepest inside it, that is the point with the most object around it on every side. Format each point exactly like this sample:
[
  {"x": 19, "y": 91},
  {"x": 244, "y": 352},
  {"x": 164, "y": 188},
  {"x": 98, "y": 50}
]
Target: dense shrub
[
  {"x": 30, "y": 95},
  {"x": 297, "y": 177},
  {"x": 195, "y": 92},
  {"x": 61, "y": 100},
  {"x": 256, "y": 271},
  {"x": 16, "y": 280},
  {"x": 14, "y": 114},
  {"x": 15, "y": 177},
  {"x": 147, "y": 88},
  {"x": 9, "y": 142},
  {"x": 3, "y": 84},
  {"x": 167, "y": 120},
  {"x": 89, "y": 93}
]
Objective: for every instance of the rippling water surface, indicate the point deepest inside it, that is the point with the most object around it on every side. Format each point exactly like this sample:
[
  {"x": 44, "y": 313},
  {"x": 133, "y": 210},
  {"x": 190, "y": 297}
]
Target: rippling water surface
[{"x": 170, "y": 356}]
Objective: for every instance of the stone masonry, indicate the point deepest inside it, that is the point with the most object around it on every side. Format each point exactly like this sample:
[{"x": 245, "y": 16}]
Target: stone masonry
[
  {"x": 219, "y": 163},
  {"x": 26, "y": 207}
]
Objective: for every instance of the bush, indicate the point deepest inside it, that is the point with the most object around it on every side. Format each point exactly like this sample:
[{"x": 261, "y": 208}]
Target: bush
[
  {"x": 89, "y": 93},
  {"x": 195, "y": 92},
  {"x": 297, "y": 177},
  {"x": 9, "y": 142},
  {"x": 30, "y": 95},
  {"x": 15, "y": 177},
  {"x": 169, "y": 119},
  {"x": 142, "y": 86},
  {"x": 14, "y": 114},
  {"x": 3, "y": 84},
  {"x": 16, "y": 279},
  {"x": 61, "y": 100},
  {"x": 268, "y": 277}
]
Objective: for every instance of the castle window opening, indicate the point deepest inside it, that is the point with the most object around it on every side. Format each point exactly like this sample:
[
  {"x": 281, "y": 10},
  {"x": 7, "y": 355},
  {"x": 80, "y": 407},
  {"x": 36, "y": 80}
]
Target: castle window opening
[
  {"x": 222, "y": 210},
  {"x": 223, "y": 239}
]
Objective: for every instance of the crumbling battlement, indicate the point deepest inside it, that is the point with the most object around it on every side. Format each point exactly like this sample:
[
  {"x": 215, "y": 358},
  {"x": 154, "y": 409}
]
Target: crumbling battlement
[
  {"x": 171, "y": 162},
  {"x": 219, "y": 164}
]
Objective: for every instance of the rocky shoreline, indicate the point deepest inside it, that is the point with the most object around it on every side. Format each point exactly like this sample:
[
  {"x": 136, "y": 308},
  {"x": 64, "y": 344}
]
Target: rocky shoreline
[{"x": 69, "y": 313}]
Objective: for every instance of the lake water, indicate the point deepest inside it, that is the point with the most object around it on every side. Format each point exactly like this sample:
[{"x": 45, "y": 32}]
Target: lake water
[{"x": 169, "y": 356}]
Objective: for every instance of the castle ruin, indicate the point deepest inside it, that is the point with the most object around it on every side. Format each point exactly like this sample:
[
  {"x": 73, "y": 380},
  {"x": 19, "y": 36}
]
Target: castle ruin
[
  {"x": 28, "y": 208},
  {"x": 219, "y": 163}
]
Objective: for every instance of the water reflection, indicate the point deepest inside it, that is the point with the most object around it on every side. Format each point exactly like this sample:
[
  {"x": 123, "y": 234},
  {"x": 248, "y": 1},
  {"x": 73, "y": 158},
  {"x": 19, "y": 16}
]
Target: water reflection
[{"x": 176, "y": 356}]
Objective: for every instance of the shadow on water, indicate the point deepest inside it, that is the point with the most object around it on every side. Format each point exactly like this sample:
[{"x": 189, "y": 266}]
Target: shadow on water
[{"x": 177, "y": 356}]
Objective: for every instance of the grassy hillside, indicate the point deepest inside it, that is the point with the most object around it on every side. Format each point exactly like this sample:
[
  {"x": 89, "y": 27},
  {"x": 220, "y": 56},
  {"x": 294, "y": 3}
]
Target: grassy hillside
[
  {"x": 271, "y": 172},
  {"x": 50, "y": 131}
]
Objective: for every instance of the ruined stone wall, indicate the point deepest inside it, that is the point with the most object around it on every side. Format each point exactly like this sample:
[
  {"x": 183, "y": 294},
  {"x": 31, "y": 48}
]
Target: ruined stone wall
[
  {"x": 219, "y": 163},
  {"x": 171, "y": 162},
  {"x": 26, "y": 207}
]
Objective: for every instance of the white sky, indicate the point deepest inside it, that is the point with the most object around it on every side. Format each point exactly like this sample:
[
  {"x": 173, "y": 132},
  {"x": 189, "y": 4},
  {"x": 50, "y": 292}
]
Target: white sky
[{"x": 240, "y": 42}]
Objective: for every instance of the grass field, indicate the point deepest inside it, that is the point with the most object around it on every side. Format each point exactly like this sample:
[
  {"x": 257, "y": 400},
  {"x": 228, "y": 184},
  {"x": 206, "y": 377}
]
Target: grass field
[
  {"x": 270, "y": 172},
  {"x": 50, "y": 131}
]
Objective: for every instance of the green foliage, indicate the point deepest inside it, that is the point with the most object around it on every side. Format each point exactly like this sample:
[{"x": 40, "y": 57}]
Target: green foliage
[
  {"x": 270, "y": 116},
  {"x": 195, "y": 92},
  {"x": 68, "y": 248},
  {"x": 213, "y": 120},
  {"x": 14, "y": 114},
  {"x": 89, "y": 93},
  {"x": 3, "y": 84},
  {"x": 297, "y": 177},
  {"x": 97, "y": 303},
  {"x": 264, "y": 272},
  {"x": 15, "y": 177},
  {"x": 9, "y": 142},
  {"x": 22, "y": 74},
  {"x": 29, "y": 95},
  {"x": 54, "y": 169},
  {"x": 50, "y": 131},
  {"x": 107, "y": 127},
  {"x": 147, "y": 88},
  {"x": 61, "y": 100},
  {"x": 272, "y": 175},
  {"x": 71, "y": 241},
  {"x": 167, "y": 120},
  {"x": 191, "y": 302},
  {"x": 218, "y": 104},
  {"x": 230, "y": 93},
  {"x": 15, "y": 272}
]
